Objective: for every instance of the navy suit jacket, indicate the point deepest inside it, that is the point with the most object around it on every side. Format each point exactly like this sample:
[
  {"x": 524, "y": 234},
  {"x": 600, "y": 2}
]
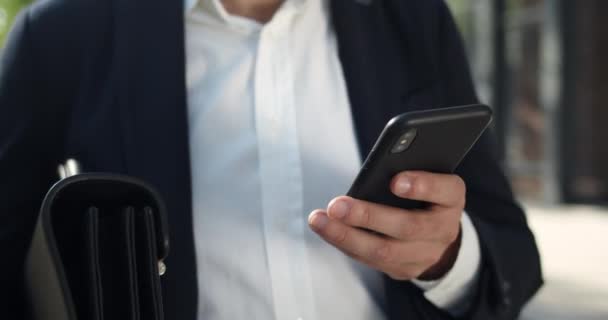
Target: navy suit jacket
[{"x": 103, "y": 82}]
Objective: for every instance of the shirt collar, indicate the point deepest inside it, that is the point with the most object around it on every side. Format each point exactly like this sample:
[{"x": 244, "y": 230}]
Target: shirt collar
[
  {"x": 214, "y": 7},
  {"x": 216, "y": 10},
  {"x": 189, "y": 5}
]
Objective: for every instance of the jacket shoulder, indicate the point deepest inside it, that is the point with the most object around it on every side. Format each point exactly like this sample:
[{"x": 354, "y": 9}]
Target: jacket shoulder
[
  {"x": 59, "y": 22},
  {"x": 420, "y": 15},
  {"x": 65, "y": 13},
  {"x": 61, "y": 36}
]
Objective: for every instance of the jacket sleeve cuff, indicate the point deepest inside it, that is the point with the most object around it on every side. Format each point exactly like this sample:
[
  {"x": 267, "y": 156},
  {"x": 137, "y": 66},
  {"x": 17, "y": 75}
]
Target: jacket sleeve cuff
[{"x": 456, "y": 289}]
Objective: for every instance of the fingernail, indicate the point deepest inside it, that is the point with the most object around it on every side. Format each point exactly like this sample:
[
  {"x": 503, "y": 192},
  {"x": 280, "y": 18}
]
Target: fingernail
[
  {"x": 318, "y": 220},
  {"x": 339, "y": 209},
  {"x": 403, "y": 185}
]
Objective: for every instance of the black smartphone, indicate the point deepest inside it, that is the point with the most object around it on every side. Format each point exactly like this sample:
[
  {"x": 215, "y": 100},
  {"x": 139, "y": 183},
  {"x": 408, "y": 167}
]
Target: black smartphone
[{"x": 432, "y": 140}]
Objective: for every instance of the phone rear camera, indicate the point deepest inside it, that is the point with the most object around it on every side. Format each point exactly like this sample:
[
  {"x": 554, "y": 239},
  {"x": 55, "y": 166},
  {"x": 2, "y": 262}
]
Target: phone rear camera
[{"x": 404, "y": 141}]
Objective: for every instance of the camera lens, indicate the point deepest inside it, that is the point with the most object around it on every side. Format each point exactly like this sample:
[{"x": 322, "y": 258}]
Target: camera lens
[{"x": 404, "y": 141}]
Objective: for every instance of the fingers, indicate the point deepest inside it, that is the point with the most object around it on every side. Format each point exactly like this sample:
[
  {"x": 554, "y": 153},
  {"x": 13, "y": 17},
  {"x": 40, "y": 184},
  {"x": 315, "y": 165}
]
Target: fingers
[
  {"x": 353, "y": 241},
  {"x": 393, "y": 222},
  {"x": 407, "y": 243},
  {"x": 401, "y": 260},
  {"x": 446, "y": 190}
]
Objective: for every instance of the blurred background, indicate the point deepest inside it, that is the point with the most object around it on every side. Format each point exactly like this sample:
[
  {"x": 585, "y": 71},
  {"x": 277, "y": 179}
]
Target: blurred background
[
  {"x": 543, "y": 66},
  {"x": 8, "y": 10}
]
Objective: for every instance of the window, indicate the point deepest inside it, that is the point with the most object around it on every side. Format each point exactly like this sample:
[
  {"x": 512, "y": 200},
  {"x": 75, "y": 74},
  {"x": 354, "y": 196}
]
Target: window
[{"x": 539, "y": 64}]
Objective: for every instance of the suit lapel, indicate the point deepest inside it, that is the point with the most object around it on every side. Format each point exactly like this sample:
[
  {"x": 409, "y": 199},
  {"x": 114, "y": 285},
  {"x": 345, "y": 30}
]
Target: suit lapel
[
  {"x": 366, "y": 56},
  {"x": 386, "y": 73},
  {"x": 152, "y": 97},
  {"x": 382, "y": 67},
  {"x": 152, "y": 89}
]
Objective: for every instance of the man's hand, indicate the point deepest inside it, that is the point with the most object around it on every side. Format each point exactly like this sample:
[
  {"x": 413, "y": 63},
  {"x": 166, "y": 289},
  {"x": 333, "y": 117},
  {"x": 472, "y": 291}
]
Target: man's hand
[{"x": 406, "y": 244}]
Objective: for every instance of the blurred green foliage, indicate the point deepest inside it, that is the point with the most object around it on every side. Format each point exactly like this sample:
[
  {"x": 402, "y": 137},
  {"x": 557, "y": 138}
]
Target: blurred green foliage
[
  {"x": 463, "y": 14},
  {"x": 8, "y": 11},
  {"x": 459, "y": 9}
]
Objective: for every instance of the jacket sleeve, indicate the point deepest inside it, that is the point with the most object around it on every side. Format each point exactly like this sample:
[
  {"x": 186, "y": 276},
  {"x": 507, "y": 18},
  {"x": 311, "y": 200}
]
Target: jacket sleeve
[
  {"x": 28, "y": 148},
  {"x": 510, "y": 272}
]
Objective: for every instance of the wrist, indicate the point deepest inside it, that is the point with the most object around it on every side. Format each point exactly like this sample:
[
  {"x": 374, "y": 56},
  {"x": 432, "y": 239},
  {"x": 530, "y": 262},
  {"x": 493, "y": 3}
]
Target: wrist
[{"x": 446, "y": 261}]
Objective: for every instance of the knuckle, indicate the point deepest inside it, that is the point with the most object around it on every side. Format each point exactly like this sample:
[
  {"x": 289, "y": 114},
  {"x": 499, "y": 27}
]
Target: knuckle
[
  {"x": 435, "y": 231},
  {"x": 420, "y": 187},
  {"x": 363, "y": 215},
  {"x": 462, "y": 187},
  {"x": 406, "y": 231},
  {"x": 340, "y": 236},
  {"x": 459, "y": 182},
  {"x": 409, "y": 228},
  {"x": 382, "y": 253}
]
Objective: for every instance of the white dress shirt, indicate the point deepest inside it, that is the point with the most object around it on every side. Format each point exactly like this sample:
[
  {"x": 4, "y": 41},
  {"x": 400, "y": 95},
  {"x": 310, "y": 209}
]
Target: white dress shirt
[{"x": 271, "y": 139}]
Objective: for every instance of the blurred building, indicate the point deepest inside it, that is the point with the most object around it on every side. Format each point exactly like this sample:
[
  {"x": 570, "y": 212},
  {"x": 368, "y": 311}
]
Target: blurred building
[{"x": 543, "y": 66}]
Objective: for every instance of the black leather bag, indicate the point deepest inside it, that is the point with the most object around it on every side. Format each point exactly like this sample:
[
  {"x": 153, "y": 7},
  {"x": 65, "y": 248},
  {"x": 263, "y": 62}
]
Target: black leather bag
[{"x": 97, "y": 251}]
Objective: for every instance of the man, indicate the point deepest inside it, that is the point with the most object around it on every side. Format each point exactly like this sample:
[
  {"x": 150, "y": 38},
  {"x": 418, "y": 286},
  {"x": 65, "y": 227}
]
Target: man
[{"x": 247, "y": 115}]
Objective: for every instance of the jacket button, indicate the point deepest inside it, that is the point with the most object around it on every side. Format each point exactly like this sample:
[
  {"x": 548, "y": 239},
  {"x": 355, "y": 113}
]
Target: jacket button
[{"x": 506, "y": 286}]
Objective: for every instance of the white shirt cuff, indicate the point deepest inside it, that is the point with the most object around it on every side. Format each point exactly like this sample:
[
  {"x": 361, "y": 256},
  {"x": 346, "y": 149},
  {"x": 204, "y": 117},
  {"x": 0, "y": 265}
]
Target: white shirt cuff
[{"x": 453, "y": 292}]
